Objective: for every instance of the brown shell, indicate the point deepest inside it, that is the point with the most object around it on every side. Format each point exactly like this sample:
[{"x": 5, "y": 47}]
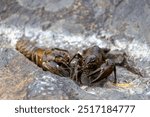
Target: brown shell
[{"x": 54, "y": 60}]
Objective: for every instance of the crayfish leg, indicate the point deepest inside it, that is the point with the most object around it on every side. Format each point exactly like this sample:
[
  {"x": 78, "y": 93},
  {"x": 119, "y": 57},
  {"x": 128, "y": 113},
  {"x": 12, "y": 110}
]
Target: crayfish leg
[
  {"x": 105, "y": 70},
  {"x": 55, "y": 68}
]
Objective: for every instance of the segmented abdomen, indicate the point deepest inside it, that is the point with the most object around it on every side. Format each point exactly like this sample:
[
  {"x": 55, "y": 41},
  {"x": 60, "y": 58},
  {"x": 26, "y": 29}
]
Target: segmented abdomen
[
  {"x": 28, "y": 49},
  {"x": 54, "y": 60},
  {"x": 25, "y": 47}
]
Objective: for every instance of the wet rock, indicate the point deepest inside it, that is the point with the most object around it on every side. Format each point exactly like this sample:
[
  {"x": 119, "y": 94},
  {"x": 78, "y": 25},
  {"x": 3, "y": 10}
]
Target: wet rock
[{"x": 75, "y": 25}]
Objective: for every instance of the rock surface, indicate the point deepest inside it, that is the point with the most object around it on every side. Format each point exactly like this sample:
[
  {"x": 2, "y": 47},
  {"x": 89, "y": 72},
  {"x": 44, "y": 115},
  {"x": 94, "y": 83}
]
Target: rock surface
[{"x": 74, "y": 25}]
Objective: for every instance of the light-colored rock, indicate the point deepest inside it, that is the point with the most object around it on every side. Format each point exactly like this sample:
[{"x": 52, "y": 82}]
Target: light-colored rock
[{"x": 73, "y": 25}]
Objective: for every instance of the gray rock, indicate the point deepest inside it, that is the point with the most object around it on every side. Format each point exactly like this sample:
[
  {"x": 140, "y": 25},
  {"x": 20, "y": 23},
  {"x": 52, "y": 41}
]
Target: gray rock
[
  {"x": 121, "y": 25},
  {"x": 14, "y": 76},
  {"x": 3, "y": 6},
  {"x": 49, "y": 5},
  {"x": 21, "y": 79},
  {"x": 49, "y": 86}
]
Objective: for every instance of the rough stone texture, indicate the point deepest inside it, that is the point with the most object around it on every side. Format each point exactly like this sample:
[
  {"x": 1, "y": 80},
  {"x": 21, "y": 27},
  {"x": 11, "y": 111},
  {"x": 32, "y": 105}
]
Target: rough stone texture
[
  {"x": 17, "y": 72},
  {"x": 14, "y": 77},
  {"x": 49, "y": 86},
  {"x": 74, "y": 25},
  {"x": 49, "y": 5}
]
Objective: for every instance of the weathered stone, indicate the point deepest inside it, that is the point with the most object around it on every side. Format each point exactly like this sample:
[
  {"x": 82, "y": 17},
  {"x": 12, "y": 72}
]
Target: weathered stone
[
  {"x": 74, "y": 25},
  {"x": 14, "y": 77},
  {"x": 3, "y": 6},
  {"x": 49, "y": 5},
  {"x": 49, "y": 86}
]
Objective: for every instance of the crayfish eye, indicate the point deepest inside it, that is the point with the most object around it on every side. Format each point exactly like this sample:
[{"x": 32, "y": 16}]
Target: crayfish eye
[{"x": 90, "y": 59}]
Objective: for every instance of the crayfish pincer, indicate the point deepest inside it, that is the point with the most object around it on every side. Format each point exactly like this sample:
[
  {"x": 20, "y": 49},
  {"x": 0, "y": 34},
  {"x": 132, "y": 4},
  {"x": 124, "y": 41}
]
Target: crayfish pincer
[
  {"x": 87, "y": 68},
  {"x": 92, "y": 66},
  {"x": 54, "y": 60}
]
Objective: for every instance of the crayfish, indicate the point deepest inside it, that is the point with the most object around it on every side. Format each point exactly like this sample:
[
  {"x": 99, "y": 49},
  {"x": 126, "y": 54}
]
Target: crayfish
[
  {"x": 87, "y": 68},
  {"x": 92, "y": 66}
]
